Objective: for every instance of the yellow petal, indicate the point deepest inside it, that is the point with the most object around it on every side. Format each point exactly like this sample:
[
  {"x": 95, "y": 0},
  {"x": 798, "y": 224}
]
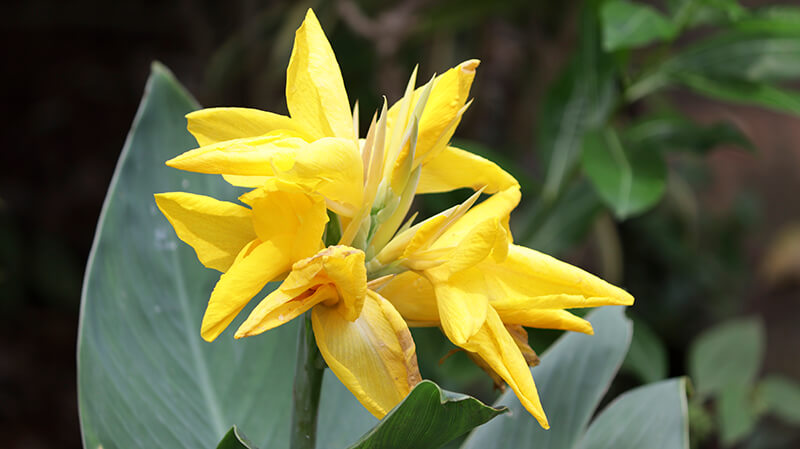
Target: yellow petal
[
  {"x": 279, "y": 308},
  {"x": 462, "y": 303},
  {"x": 217, "y": 230},
  {"x": 373, "y": 356},
  {"x": 497, "y": 206},
  {"x": 545, "y": 319},
  {"x": 412, "y": 295},
  {"x": 293, "y": 221},
  {"x": 485, "y": 238},
  {"x": 442, "y": 111},
  {"x": 315, "y": 92},
  {"x": 499, "y": 350},
  {"x": 331, "y": 167},
  {"x": 215, "y": 125},
  {"x": 251, "y": 156},
  {"x": 529, "y": 273},
  {"x": 257, "y": 264},
  {"x": 338, "y": 270},
  {"x": 454, "y": 168},
  {"x": 245, "y": 181}
]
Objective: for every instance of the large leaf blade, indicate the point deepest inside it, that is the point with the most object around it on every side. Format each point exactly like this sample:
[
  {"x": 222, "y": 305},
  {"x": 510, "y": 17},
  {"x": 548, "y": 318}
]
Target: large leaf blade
[
  {"x": 145, "y": 377},
  {"x": 628, "y": 180},
  {"x": 728, "y": 354},
  {"x": 652, "y": 416},
  {"x": 630, "y": 25},
  {"x": 581, "y": 98}
]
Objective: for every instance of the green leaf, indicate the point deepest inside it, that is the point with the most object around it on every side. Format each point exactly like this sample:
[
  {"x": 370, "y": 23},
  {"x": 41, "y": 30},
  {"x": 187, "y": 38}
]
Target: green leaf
[
  {"x": 774, "y": 20},
  {"x": 745, "y": 56},
  {"x": 581, "y": 98},
  {"x": 647, "y": 357},
  {"x": 145, "y": 377},
  {"x": 728, "y": 354},
  {"x": 342, "y": 419},
  {"x": 691, "y": 13},
  {"x": 736, "y": 414},
  {"x": 672, "y": 132},
  {"x": 759, "y": 94},
  {"x": 629, "y": 181},
  {"x": 572, "y": 377},
  {"x": 428, "y": 417},
  {"x": 235, "y": 439},
  {"x": 781, "y": 397},
  {"x": 631, "y": 25},
  {"x": 652, "y": 416}
]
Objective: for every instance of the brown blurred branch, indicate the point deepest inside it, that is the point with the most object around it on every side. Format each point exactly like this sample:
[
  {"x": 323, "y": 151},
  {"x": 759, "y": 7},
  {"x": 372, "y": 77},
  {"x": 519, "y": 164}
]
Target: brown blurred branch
[{"x": 387, "y": 31}]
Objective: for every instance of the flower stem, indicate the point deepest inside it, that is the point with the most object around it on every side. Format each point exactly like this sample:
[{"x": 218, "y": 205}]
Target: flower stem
[{"x": 307, "y": 387}]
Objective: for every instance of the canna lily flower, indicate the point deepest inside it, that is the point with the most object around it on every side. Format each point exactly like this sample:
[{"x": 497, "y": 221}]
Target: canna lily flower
[
  {"x": 466, "y": 276},
  {"x": 328, "y": 215}
]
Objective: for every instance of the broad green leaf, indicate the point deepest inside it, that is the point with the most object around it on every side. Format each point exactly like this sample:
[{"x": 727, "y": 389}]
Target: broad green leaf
[
  {"x": 651, "y": 416},
  {"x": 628, "y": 180},
  {"x": 235, "y": 439},
  {"x": 781, "y": 397},
  {"x": 342, "y": 419},
  {"x": 672, "y": 132},
  {"x": 691, "y": 13},
  {"x": 746, "y": 56},
  {"x": 145, "y": 377},
  {"x": 647, "y": 357},
  {"x": 774, "y": 20},
  {"x": 630, "y": 25},
  {"x": 759, "y": 94},
  {"x": 735, "y": 413},
  {"x": 428, "y": 417},
  {"x": 581, "y": 98},
  {"x": 728, "y": 354},
  {"x": 572, "y": 377}
]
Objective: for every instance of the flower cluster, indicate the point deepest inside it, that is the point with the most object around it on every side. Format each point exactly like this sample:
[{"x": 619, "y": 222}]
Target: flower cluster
[{"x": 327, "y": 216}]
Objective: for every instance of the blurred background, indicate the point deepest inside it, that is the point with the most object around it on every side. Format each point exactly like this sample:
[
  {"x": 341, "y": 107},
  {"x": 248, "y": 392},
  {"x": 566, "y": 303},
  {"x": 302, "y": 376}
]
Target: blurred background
[{"x": 657, "y": 143}]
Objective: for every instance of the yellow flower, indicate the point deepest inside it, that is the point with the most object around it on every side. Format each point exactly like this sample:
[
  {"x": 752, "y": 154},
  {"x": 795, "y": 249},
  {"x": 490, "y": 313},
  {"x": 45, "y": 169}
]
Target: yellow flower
[
  {"x": 458, "y": 270},
  {"x": 469, "y": 278}
]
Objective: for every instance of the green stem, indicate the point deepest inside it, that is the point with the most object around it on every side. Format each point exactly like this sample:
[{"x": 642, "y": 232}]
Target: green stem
[{"x": 307, "y": 387}]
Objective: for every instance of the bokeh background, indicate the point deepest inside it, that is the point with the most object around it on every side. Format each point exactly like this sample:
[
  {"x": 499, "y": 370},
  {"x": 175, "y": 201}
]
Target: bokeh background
[{"x": 722, "y": 242}]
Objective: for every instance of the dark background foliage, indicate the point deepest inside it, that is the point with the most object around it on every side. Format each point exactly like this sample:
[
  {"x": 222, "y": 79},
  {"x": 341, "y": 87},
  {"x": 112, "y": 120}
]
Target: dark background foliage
[{"x": 73, "y": 74}]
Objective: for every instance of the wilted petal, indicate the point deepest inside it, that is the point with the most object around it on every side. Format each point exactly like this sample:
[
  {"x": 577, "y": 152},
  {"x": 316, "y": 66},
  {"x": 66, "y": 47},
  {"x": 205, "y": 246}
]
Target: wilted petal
[
  {"x": 217, "y": 230},
  {"x": 315, "y": 92},
  {"x": 257, "y": 264},
  {"x": 213, "y": 125},
  {"x": 373, "y": 356},
  {"x": 455, "y": 168}
]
